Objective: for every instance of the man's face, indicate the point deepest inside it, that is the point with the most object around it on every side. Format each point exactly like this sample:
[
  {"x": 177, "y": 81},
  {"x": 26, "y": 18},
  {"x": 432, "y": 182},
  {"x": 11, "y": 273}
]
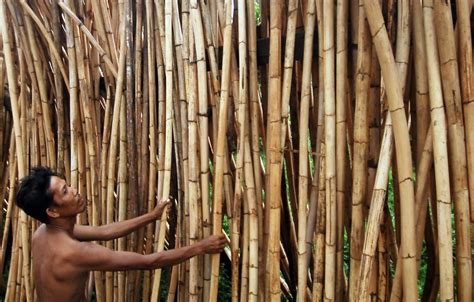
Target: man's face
[{"x": 67, "y": 200}]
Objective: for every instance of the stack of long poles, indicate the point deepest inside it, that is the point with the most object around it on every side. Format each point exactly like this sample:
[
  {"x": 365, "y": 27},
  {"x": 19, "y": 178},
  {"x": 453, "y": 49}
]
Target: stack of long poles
[{"x": 330, "y": 140}]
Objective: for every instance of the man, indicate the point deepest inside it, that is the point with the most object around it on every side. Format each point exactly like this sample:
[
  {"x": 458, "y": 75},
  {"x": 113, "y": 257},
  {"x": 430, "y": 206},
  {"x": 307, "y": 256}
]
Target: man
[{"x": 62, "y": 260}]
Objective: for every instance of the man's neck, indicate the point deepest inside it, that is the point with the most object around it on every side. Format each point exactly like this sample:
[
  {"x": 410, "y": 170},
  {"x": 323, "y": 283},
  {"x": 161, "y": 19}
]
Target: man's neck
[{"x": 66, "y": 225}]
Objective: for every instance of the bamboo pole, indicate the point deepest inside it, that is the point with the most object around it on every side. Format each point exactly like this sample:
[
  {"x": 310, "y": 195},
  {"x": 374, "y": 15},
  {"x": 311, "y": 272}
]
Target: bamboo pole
[
  {"x": 303, "y": 150},
  {"x": 330, "y": 142},
  {"x": 168, "y": 137},
  {"x": 449, "y": 72},
  {"x": 342, "y": 14},
  {"x": 193, "y": 167},
  {"x": 438, "y": 122},
  {"x": 403, "y": 149},
  {"x": 219, "y": 153},
  {"x": 361, "y": 150},
  {"x": 273, "y": 148}
]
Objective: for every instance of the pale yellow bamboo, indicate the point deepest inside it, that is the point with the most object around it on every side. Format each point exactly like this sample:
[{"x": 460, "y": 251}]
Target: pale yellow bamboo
[
  {"x": 253, "y": 224},
  {"x": 220, "y": 155},
  {"x": 342, "y": 14},
  {"x": 330, "y": 143},
  {"x": 254, "y": 136},
  {"x": 196, "y": 22},
  {"x": 91, "y": 38},
  {"x": 168, "y": 137},
  {"x": 449, "y": 72},
  {"x": 122, "y": 193},
  {"x": 238, "y": 205},
  {"x": 403, "y": 149},
  {"x": 303, "y": 176},
  {"x": 244, "y": 279},
  {"x": 111, "y": 168},
  {"x": 46, "y": 114},
  {"x": 288, "y": 64},
  {"x": 376, "y": 212},
  {"x": 440, "y": 152},
  {"x": 193, "y": 181},
  {"x": 53, "y": 49}
]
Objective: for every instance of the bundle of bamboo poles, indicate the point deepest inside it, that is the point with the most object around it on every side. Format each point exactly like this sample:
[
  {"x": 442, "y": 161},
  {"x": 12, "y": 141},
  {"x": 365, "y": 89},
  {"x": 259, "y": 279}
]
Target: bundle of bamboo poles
[{"x": 331, "y": 140}]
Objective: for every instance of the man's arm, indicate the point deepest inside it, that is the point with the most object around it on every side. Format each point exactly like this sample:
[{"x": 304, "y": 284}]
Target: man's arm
[
  {"x": 118, "y": 229},
  {"x": 93, "y": 257}
]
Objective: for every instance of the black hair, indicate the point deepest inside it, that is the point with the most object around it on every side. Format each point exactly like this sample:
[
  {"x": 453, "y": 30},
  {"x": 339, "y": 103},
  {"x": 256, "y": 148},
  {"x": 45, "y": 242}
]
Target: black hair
[{"x": 33, "y": 195}]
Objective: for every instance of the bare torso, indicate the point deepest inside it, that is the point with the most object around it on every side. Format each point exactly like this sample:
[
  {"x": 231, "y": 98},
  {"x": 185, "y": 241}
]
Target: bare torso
[{"x": 55, "y": 278}]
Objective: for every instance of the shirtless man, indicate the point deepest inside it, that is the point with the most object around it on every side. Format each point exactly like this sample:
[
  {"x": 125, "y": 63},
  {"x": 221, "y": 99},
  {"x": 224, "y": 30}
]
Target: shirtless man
[{"x": 62, "y": 259}]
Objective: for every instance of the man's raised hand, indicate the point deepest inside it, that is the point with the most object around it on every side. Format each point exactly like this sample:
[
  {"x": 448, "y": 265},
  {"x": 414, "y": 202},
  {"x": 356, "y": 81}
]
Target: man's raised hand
[
  {"x": 213, "y": 244},
  {"x": 161, "y": 206}
]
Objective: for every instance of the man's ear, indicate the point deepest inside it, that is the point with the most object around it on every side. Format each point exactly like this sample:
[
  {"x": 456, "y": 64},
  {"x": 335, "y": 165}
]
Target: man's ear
[{"x": 53, "y": 213}]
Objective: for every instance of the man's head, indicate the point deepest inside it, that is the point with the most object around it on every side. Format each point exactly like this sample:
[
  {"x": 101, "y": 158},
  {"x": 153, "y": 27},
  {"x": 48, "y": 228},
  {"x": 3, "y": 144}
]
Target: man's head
[{"x": 44, "y": 195}]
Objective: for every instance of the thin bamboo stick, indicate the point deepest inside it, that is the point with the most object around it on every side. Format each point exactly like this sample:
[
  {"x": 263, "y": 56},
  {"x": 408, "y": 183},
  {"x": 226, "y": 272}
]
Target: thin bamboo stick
[
  {"x": 168, "y": 136},
  {"x": 219, "y": 153},
  {"x": 303, "y": 147},
  {"x": 193, "y": 166}
]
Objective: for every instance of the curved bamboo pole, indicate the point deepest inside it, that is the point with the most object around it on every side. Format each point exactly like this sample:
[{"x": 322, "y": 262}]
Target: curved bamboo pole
[
  {"x": 403, "y": 149},
  {"x": 438, "y": 122},
  {"x": 219, "y": 152}
]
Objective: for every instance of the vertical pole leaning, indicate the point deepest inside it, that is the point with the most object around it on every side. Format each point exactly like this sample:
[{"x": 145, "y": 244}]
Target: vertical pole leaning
[
  {"x": 196, "y": 21},
  {"x": 402, "y": 143},
  {"x": 168, "y": 135},
  {"x": 449, "y": 72},
  {"x": 220, "y": 148},
  {"x": 440, "y": 153},
  {"x": 303, "y": 146},
  {"x": 254, "y": 107}
]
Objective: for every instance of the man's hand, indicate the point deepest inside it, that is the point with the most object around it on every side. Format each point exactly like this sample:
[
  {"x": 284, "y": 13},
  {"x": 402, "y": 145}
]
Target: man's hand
[
  {"x": 160, "y": 207},
  {"x": 213, "y": 244}
]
